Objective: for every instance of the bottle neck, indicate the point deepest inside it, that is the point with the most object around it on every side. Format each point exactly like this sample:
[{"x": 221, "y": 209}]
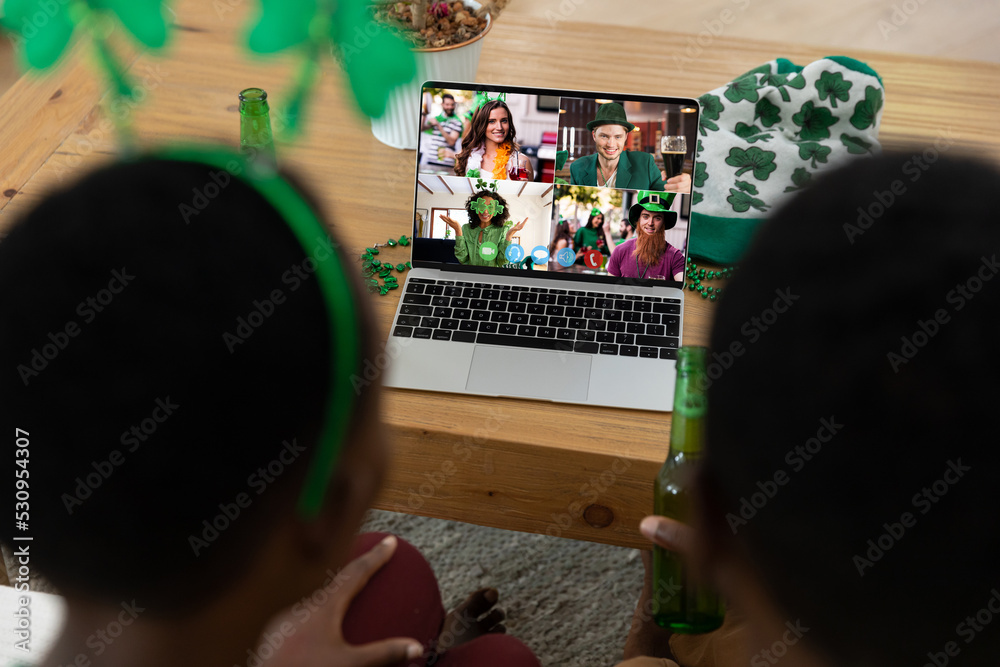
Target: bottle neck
[
  {"x": 687, "y": 429},
  {"x": 254, "y": 108}
]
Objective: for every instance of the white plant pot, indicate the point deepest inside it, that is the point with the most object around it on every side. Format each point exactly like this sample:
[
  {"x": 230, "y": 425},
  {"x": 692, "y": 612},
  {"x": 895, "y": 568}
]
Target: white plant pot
[{"x": 398, "y": 126}]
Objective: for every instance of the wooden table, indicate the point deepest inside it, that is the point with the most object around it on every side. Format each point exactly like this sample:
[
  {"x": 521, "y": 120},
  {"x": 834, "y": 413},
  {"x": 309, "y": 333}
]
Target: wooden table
[{"x": 579, "y": 472}]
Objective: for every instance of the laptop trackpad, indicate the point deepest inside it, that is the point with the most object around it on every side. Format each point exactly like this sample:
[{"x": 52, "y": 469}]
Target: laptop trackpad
[{"x": 507, "y": 371}]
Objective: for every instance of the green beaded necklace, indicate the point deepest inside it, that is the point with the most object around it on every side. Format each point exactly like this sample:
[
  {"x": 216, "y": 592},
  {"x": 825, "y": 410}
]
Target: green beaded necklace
[
  {"x": 696, "y": 275},
  {"x": 372, "y": 269}
]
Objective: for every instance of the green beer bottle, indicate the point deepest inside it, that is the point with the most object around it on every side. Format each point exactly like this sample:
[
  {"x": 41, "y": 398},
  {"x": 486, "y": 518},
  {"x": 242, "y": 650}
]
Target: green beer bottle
[
  {"x": 679, "y": 603},
  {"x": 256, "y": 141}
]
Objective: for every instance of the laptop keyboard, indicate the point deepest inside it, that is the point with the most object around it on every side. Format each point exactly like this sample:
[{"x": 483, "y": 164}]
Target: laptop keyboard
[{"x": 540, "y": 318}]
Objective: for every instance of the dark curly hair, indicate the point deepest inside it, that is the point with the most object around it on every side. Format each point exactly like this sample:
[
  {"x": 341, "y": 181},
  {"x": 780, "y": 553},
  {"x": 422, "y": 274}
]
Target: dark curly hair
[
  {"x": 498, "y": 219},
  {"x": 909, "y": 372}
]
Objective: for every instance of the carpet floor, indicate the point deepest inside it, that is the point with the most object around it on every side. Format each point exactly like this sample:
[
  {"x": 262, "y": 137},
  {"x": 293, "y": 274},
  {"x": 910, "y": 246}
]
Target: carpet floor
[{"x": 571, "y": 602}]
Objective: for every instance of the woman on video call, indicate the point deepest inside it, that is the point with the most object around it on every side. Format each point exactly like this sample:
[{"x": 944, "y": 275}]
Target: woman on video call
[
  {"x": 491, "y": 146},
  {"x": 484, "y": 239}
]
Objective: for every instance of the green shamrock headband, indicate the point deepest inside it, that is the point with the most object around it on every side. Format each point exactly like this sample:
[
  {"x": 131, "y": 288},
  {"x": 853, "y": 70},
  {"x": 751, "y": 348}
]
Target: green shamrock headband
[
  {"x": 482, "y": 97},
  {"x": 492, "y": 207},
  {"x": 338, "y": 295},
  {"x": 312, "y": 26}
]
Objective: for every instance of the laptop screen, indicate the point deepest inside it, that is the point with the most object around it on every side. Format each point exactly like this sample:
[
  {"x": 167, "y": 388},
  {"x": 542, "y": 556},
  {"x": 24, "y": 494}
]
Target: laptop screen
[{"x": 565, "y": 184}]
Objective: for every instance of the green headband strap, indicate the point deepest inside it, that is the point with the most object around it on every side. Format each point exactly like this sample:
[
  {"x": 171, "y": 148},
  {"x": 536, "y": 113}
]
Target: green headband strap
[{"x": 337, "y": 293}]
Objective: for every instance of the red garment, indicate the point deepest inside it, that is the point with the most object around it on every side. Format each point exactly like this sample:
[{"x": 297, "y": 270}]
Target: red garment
[{"x": 403, "y": 600}]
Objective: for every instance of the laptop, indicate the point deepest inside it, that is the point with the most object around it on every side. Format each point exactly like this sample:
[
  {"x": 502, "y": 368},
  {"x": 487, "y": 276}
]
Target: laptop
[{"x": 548, "y": 247}]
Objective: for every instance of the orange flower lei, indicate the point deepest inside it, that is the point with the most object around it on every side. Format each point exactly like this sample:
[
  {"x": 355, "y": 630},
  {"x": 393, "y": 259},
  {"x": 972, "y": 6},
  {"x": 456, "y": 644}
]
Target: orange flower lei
[{"x": 500, "y": 161}]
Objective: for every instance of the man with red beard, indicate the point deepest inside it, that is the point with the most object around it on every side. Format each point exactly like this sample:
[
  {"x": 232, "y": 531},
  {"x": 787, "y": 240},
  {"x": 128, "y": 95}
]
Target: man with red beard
[{"x": 647, "y": 254}]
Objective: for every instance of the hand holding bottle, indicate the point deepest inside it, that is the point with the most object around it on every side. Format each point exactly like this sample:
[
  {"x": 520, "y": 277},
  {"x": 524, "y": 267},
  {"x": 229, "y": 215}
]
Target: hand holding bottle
[{"x": 667, "y": 533}]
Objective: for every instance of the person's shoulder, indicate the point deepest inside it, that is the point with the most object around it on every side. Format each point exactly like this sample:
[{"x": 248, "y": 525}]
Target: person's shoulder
[
  {"x": 582, "y": 163},
  {"x": 624, "y": 247},
  {"x": 640, "y": 158}
]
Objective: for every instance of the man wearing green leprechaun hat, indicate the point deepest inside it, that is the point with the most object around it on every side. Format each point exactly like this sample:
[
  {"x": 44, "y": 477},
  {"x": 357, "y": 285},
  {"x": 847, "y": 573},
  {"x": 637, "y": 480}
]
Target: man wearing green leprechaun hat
[
  {"x": 614, "y": 167},
  {"x": 647, "y": 254}
]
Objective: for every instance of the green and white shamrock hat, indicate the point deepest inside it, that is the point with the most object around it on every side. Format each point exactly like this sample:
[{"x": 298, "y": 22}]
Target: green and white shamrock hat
[{"x": 765, "y": 134}]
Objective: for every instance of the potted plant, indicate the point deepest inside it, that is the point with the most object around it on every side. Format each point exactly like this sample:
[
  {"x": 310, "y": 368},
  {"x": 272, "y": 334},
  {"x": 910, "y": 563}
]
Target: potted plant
[{"x": 446, "y": 40}]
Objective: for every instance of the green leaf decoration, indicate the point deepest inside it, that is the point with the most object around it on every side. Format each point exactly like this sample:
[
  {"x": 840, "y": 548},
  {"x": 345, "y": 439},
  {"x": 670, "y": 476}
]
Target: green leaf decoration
[
  {"x": 143, "y": 18},
  {"x": 810, "y": 150},
  {"x": 814, "y": 121},
  {"x": 281, "y": 24},
  {"x": 742, "y": 202},
  {"x": 744, "y": 88},
  {"x": 700, "y": 148},
  {"x": 781, "y": 81},
  {"x": 751, "y": 133},
  {"x": 763, "y": 69},
  {"x": 800, "y": 178},
  {"x": 832, "y": 85},
  {"x": 749, "y": 188},
  {"x": 866, "y": 111},
  {"x": 374, "y": 58},
  {"x": 46, "y": 40},
  {"x": 711, "y": 106},
  {"x": 492, "y": 207},
  {"x": 700, "y": 175},
  {"x": 472, "y": 173},
  {"x": 696, "y": 198},
  {"x": 767, "y": 111},
  {"x": 561, "y": 157},
  {"x": 760, "y": 161},
  {"x": 855, "y": 145},
  {"x": 705, "y": 124},
  {"x": 375, "y": 68}
]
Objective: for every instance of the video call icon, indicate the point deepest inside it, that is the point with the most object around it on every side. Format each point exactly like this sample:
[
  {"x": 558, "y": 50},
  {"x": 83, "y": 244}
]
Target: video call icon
[
  {"x": 488, "y": 251},
  {"x": 515, "y": 253}
]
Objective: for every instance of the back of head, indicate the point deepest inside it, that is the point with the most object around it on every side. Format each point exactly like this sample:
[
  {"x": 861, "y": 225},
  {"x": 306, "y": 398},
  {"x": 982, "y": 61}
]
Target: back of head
[
  {"x": 170, "y": 361},
  {"x": 852, "y": 397}
]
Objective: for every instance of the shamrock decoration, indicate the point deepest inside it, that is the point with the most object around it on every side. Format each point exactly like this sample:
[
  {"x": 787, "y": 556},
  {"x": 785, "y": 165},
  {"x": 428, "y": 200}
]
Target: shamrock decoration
[
  {"x": 777, "y": 80},
  {"x": 43, "y": 42},
  {"x": 760, "y": 161},
  {"x": 767, "y": 111},
  {"x": 711, "y": 107},
  {"x": 700, "y": 175},
  {"x": 867, "y": 110},
  {"x": 800, "y": 178},
  {"x": 744, "y": 88},
  {"x": 814, "y": 121},
  {"x": 781, "y": 82},
  {"x": 749, "y": 188},
  {"x": 810, "y": 150},
  {"x": 742, "y": 202},
  {"x": 855, "y": 145},
  {"x": 375, "y": 59},
  {"x": 832, "y": 85},
  {"x": 751, "y": 133},
  {"x": 491, "y": 207}
]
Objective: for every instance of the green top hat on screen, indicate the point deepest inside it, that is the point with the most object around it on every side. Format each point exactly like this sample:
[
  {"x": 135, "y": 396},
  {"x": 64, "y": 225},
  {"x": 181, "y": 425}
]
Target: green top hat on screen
[
  {"x": 611, "y": 113},
  {"x": 655, "y": 202}
]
